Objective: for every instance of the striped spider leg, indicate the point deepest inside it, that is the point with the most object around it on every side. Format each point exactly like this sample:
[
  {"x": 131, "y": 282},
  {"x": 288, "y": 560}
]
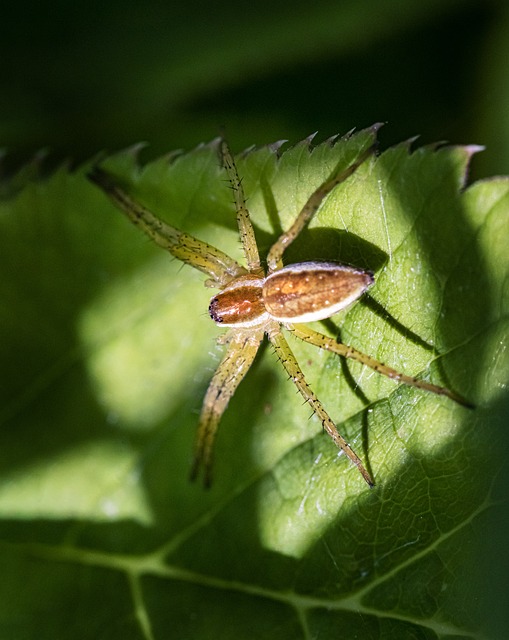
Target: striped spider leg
[{"x": 252, "y": 303}]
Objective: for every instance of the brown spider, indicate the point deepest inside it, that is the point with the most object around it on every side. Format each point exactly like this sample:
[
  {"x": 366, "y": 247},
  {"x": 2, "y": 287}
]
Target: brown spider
[{"x": 253, "y": 303}]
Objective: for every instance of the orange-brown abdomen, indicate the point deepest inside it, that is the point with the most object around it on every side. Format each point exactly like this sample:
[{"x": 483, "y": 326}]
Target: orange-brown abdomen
[{"x": 313, "y": 290}]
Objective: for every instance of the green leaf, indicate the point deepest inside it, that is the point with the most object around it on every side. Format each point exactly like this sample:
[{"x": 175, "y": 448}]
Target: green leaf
[{"x": 107, "y": 350}]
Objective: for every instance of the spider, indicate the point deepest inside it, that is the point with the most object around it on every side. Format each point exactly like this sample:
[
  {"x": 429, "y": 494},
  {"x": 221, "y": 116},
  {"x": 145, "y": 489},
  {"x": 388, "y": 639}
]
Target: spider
[{"x": 253, "y": 303}]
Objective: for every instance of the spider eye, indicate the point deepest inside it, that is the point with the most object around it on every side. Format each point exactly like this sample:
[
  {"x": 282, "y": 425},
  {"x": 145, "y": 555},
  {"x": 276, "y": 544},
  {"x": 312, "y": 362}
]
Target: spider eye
[{"x": 213, "y": 311}]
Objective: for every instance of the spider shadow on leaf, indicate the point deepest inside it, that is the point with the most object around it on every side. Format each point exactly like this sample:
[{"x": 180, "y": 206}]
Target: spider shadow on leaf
[{"x": 336, "y": 245}]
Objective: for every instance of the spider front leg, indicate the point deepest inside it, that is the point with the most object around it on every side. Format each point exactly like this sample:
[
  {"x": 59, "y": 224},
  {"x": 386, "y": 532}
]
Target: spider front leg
[
  {"x": 240, "y": 353},
  {"x": 329, "y": 344},
  {"x": 198, "y": 254},
  {"x": 291, "y": 365}
]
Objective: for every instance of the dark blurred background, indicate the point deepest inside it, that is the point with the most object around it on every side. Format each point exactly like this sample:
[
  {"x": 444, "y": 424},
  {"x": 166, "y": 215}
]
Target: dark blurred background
[{"x": 79, "y": 77}]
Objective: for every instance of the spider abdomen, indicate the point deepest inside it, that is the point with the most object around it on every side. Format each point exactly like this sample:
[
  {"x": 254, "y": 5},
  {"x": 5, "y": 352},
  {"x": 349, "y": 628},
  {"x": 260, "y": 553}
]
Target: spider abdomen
[{"x": 310, "y": 291}]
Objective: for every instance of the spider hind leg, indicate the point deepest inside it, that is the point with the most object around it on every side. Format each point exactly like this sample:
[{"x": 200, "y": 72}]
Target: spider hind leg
[{"x": 329, "y": 344}]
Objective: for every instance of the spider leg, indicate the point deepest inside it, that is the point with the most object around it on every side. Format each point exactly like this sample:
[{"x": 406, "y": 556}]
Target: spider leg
[
  {"x": 324, "y": 342},
  {"x": 200, "y": 255},
  {"x": 245, "y": 225},
  {"x": 239, "y": 356},
  {"x": 275, "y": 255},
  {"x": 294, "y": 371}
]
